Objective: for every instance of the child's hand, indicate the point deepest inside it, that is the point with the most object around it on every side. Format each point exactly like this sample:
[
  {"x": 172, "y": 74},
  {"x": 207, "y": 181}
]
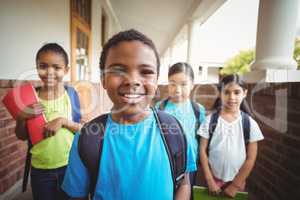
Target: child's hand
[
  {"x": 84, "y": 119},
  {"x": 231, "y": 190},
  {"x": 53, "y": 126},
  {"x": 213, "y": 188},
  {"x": 31, "y": 111}
]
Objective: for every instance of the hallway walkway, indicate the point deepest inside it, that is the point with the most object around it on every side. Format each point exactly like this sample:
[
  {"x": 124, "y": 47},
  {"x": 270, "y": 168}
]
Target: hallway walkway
[{"x": 25, "y": 196}]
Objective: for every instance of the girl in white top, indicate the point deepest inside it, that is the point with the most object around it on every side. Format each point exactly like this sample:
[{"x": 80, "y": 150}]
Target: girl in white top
[{"x": 230, "y": 161}]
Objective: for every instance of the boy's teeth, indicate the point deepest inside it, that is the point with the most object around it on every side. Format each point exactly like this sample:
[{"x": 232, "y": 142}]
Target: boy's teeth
[{"x": 132, "y": 95}]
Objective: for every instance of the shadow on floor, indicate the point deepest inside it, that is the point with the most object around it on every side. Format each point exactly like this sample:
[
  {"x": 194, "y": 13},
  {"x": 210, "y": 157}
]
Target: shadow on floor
[{"x": 25, "y": 196}]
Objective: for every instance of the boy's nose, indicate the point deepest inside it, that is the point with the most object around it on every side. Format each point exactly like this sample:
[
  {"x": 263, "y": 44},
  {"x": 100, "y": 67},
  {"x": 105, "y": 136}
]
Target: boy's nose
[{"x": 133, "y": 79}]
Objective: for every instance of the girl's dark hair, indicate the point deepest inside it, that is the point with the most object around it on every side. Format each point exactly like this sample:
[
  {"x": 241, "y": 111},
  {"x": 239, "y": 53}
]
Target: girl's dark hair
[
  {"x": 181, "y": 67},
  {"x": 234, "y": 78},
  {"x": 55, "y": 48},
  {"x": 127, "y": 36}
]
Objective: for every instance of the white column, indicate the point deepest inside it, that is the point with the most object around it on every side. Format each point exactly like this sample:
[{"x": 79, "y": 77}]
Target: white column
[
  {"x": 192, "y": 41},
  {"x": 192, "y": 44},
  {"x": 276, "y": 33},
  {"x": 170, "y": 53}
]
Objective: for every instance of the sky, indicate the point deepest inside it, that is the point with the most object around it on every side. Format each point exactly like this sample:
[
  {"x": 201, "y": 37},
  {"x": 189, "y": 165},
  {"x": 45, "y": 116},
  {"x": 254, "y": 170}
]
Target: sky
[{"x": 230, "y": 29}]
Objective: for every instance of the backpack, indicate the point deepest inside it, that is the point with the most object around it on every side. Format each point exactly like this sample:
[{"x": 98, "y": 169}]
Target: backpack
[
  {"x": 91, "y": 139},
  {"x": 214, "y": 121},
  {"x": 76, "y": 117}
]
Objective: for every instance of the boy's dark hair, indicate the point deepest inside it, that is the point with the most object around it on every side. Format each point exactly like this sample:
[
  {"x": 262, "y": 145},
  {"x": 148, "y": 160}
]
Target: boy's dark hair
[
  {"x": 128, "y": 35},
  {"x": 55, "y": 48},
  {"x": 233, "y": 78},
  {"x": 181, "y": 67}
]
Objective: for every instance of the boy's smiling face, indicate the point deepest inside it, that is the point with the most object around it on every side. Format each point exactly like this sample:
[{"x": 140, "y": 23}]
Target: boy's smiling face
[{"x": 130, "y": 77}]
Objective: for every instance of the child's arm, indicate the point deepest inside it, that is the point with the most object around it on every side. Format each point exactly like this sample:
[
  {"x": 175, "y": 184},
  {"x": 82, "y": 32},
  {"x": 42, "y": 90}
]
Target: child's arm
[
  {"x": 30, "y": 111},
  {"x": 52, "y": 127},
  {"x": 213, "y": 188},
  {"x": 21, "y": 129},
  {"x": 184, "y": 190},
  {"x": 238, "y": 182},
  {"x": 72, "y": 126}
]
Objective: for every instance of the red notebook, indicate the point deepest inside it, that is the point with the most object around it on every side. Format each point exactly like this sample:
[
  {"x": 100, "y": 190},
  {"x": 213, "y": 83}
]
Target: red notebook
[{"x": 16, "y": 100}]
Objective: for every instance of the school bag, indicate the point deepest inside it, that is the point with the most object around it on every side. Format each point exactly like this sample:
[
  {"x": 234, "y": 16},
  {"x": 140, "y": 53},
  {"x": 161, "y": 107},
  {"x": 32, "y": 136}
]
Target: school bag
[
  {"x": 214, "y": 121},
  {"x": 91, "y": 138},
  {"x": 76, "y": 117}
]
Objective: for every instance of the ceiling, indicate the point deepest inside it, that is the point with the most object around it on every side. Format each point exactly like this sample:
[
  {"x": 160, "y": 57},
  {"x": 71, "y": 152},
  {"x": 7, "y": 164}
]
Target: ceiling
[{"x": 162, "y": 20}]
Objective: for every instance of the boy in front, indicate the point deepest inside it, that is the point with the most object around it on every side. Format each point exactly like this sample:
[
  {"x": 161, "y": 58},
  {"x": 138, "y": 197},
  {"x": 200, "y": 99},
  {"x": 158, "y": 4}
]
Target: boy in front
[{"x": 134, "y": 163}]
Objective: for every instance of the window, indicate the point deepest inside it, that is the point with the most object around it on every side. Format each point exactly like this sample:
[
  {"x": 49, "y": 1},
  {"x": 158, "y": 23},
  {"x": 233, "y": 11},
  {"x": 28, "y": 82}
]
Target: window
[{"x": 80, "y": 40}]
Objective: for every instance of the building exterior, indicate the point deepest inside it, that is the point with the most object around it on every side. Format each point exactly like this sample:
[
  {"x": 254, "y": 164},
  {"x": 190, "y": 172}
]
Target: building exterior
[{"x": 83, "y": 26}]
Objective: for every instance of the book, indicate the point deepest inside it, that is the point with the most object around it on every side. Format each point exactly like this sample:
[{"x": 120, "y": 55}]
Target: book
[
  {"x": 16, "y": 100},
  {"x": 35, "y": 128},
  {"x": 201, "y": 193}
]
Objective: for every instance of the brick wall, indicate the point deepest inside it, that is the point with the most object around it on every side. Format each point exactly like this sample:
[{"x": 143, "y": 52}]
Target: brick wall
[
  {"x": 277, "y": 172},
  {"x": 13, "y": 151}
]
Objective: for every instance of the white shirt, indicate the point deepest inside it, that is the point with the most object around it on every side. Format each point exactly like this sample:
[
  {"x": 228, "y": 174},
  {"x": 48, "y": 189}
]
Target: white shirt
[{"x": 227, "y": 151}]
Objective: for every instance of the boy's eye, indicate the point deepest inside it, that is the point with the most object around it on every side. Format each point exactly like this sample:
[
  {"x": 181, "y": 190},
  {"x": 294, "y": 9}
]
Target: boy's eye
[
  {"x": 147, "y": 71},
  {"x": 116, "y": 70}
]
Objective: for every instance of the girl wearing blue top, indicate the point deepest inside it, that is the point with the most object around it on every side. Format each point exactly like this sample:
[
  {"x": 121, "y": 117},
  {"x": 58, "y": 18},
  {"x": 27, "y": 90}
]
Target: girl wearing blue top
[
  {"x": 227, "y": 156},
  {"x": 179, "y": 104}
]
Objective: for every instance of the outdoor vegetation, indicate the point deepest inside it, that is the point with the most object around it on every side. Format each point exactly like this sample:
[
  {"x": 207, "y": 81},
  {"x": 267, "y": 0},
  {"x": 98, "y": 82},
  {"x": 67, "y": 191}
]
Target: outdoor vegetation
[{"x": 240, "y": 63}]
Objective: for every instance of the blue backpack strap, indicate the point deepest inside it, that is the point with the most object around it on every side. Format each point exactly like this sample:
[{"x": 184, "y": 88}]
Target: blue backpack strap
[
  {"x": 175, "y": 143},
  {"x": 75, "y": 103},
  {"x": 246, "y": 127},
  {"x": 90, "y": 146}
]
